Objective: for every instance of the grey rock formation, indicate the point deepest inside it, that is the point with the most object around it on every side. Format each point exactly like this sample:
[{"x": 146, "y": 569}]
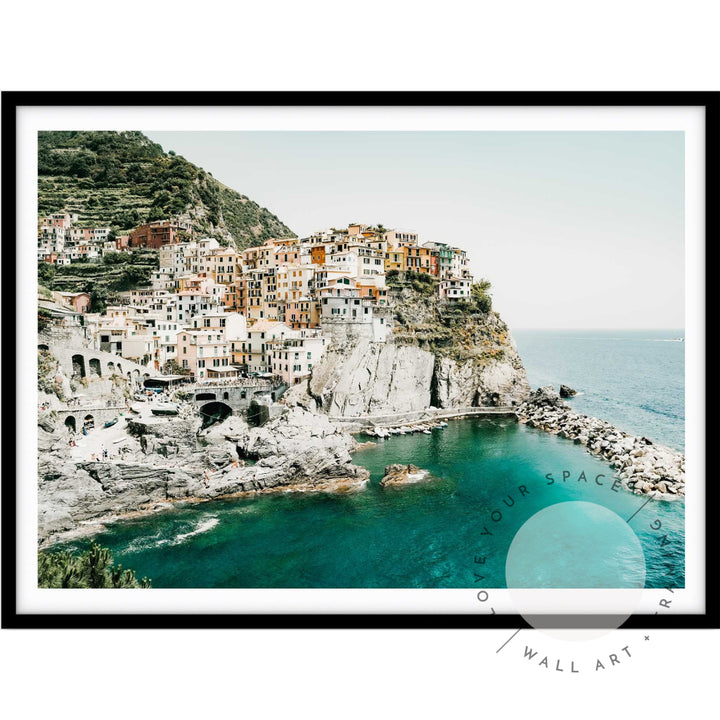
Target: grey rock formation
[
  {"x": 544, "y": 396},
  {"x": 463, "y": 383},
  {"x": 422, "y": 364},
  {"x": 566, "y": 391},
  {"x": 368, "y": 378},
  {"x": 170, "y": 462}
]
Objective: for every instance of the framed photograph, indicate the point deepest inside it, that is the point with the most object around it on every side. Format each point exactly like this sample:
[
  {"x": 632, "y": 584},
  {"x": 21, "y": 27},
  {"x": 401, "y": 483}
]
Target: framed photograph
[{"x": 363, "y": 360}]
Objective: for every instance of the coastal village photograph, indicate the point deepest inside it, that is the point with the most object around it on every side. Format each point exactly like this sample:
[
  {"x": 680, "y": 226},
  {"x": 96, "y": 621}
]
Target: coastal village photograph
[{"x": 358, "y": 401}]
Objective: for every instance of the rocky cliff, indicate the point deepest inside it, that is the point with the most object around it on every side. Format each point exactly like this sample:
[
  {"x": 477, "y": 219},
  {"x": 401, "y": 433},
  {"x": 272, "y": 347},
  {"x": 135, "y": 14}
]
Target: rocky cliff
[
  {"x": 438, "y": 355},
  {"x": 166, "y": 461},
  {"x": 360, "y": 377}
]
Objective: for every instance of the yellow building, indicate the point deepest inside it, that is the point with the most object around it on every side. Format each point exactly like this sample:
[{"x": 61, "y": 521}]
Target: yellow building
[{"x": 396, "y": 259}]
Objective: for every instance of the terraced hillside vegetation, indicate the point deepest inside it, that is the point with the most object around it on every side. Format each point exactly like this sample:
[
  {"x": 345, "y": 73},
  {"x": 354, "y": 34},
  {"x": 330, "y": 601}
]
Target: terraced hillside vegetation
[
  {"x": 123, "y": 179},
  {"x": 102, "y": 280}
]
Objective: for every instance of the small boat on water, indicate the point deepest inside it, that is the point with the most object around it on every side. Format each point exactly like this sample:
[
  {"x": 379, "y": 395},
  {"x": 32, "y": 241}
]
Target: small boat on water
[
  {"x": 110, "y": 423},
  {"x": 164, "y": 408}
]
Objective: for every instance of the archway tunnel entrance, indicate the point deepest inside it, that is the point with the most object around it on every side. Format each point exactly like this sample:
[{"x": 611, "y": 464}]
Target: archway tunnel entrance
[
  {"x": 214, "y": 412},
  {"x": 78, "y": 365}
]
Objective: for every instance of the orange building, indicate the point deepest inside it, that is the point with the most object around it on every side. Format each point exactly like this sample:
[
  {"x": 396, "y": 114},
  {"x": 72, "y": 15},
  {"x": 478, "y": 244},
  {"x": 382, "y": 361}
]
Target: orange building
[
  {"x": 317, "y": 254},
  {"x": 370, "y": 290},
  {"x": 241, "y": 294},
  {"x": 300, "y": 314},
  {"x": 418, "y": 259}
]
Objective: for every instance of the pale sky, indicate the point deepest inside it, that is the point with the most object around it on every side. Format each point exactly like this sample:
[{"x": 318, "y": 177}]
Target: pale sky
[{"x": 573, "y": 229}]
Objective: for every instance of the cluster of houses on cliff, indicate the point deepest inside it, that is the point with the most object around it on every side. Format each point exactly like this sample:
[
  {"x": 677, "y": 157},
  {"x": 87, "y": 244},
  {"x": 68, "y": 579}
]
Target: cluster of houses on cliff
[
  {"x": 62, "y": 241},
  {"x": 216, "y": 313}
]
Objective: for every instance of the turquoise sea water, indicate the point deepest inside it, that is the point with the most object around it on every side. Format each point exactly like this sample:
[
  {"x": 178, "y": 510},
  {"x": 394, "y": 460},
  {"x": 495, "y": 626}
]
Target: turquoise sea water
[{"x": 490, "y": 479}]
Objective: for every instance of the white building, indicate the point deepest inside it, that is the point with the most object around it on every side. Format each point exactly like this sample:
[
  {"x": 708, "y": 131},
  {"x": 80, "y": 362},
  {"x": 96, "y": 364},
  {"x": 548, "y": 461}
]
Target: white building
[
  {"x": 173, "y": 257},
  {"x": 232, "y": 326},
  {"x": 455, "y": 289},
  {"x": 340, "y": 304},
  {"x": 255, "y": 352},
  {"x": 165, "y": 334},
  {"x": 460, "y": 265},
  {"x": 163, "y": 279},
  {"x": 294, "y": 281},
  {"x": 182, "y": 307},
  {"x": 292, "y": 359}
]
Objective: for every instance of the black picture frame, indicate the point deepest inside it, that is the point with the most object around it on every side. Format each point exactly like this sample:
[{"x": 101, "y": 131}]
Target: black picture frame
[{"x": 12, "y": 394}]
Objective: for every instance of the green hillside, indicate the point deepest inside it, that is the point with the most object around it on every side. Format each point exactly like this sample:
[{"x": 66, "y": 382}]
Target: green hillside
[{"x": 123, "y": 179}]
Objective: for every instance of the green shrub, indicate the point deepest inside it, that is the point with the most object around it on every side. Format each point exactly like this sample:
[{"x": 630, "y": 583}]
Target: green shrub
[
  {"x": 479, "y": 292},
  {"x": 91, "y": 569}
]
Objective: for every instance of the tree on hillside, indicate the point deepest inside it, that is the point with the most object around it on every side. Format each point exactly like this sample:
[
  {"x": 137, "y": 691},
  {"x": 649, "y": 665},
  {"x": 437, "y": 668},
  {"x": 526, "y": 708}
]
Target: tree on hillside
[
  {"x": 479, "y": 292},
  {"x": 98, "y": 299},
  {"x": 46, "y": 274}
]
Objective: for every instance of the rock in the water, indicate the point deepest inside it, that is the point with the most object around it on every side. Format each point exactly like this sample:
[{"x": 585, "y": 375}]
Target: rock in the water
[
  {"x": 403, "y": 475},
  {"x": 545, "y": 396},
  {"x": 566, "y": 391}
]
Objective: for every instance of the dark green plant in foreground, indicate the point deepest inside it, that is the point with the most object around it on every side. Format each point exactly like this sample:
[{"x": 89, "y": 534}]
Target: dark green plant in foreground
[{"x": 91, "y": 569}]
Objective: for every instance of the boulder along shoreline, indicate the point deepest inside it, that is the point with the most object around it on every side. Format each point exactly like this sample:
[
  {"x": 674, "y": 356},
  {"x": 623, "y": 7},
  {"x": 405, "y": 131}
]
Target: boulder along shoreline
[{"x": 642, "y": 466}]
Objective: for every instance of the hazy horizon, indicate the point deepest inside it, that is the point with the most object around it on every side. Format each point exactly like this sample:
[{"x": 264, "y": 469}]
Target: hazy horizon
[{"x": 575, "y": 230}]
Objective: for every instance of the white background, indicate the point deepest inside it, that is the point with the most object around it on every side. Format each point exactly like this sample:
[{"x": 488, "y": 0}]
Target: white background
[{"x": 368, "y": 46}]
